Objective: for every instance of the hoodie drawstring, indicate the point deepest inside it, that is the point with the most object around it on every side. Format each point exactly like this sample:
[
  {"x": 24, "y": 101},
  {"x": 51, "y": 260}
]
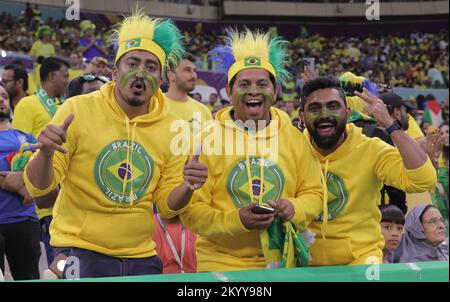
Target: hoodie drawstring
[
  {"x": 323, "y": 176},
  {"x": 249, "y": 175},
  {"x": 129, "y": 160}
]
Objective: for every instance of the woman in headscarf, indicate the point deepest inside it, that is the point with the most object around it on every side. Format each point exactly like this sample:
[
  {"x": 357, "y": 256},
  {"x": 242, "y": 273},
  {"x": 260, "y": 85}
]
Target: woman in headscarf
[{"x": 424, "y": 238}]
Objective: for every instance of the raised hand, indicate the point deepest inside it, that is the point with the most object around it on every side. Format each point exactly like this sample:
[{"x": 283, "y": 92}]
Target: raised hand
[
  {"x": 376, "y": 108},
  {"x": 195, "y": 173},
  {"x": 52, "y": 137}
]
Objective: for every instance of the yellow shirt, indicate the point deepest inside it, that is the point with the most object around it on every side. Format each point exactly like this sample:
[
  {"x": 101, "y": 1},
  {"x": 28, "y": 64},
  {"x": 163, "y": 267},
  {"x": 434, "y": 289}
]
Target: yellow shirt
[
  {"x": 73, "y": 73},
  {"x": 40, "y": 48},
  {"x": 414, "y": 130},
  {"x": 356, "y": 173},
  {"x": 191, "y": 111},
  {"x": 223, "y": 243},
  {"x": 111, "y": 178}
]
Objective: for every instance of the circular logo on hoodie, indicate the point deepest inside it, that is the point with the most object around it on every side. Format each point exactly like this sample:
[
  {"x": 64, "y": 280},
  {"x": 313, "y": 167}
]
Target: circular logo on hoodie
[
  {"x": 123, "y": 171},
  {"x": 337, "y": 196},
  {"x": 238, "y": 184}
]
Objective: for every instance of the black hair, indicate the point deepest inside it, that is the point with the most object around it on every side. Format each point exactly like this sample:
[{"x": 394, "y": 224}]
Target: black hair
[
  {"x": 321, "y": 83},
  {"x": 19, "y": 73},
  {"x": 424, "y": 210},
  {"x": 429, "y": 97},
  {"x": 272, "y": 79},
  {"x": 393, "y": 214},
  {"x": 51, "y": 64}
]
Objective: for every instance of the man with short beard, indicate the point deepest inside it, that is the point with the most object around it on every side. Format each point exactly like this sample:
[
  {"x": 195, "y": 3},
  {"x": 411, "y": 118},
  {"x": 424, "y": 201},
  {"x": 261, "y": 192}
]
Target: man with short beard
[
  {"x": 355, "y": 167},
  {"x": 15, "y": 79},
  {"x": 114, "y": 160},
  {"x": 182, "y": 78}
]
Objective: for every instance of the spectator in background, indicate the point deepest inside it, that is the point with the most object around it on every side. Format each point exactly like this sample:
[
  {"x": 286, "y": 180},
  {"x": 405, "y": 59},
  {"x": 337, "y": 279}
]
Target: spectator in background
[
  {"x": 15, "y": 80},
  {"x": 43, "y": 47},
  {"x": 289, "y": 108},
  {"x": 213, "y": 98},
  {"x": 19, "y": 226},
  {"x": 435, "y": 76},
  {"x": 392, "y": 222},
  {"x": 424, "y": 237},
  {"x": 76, "y": 65},
  {"x": 90, "y": 46},
  {"x": 98, "y": 66},
  {"x": 85, "y": 84},
  {"x": 197, "y": 96},
  {"x": 34, "y": 112}
]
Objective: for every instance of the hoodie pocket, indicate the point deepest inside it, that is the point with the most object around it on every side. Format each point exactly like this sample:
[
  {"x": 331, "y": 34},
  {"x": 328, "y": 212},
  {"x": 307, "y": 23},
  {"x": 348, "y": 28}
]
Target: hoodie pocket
[
  {"x": 332, "y": 252},
  {"x": 117, "y": 231}
]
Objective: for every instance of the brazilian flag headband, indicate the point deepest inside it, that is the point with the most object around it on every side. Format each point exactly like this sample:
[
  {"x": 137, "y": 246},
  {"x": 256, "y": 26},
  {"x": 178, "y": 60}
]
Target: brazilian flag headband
[
  {"x": 161, "y": 37},
  {"x": 252, "y": 49}
]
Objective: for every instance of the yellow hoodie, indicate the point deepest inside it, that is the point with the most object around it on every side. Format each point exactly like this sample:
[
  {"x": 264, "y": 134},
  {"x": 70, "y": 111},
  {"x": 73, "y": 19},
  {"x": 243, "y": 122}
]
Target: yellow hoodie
[
  {"x": 356, "y": 173},
  {"x": 290, "y": 172},
  {"x": 93, "y": 210}
]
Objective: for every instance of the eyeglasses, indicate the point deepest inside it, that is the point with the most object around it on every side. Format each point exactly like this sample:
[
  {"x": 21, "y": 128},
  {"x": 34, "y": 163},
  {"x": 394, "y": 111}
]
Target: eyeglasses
[
  {"x": 435, "y": 222},
  {"x": 93, "y": 77}
]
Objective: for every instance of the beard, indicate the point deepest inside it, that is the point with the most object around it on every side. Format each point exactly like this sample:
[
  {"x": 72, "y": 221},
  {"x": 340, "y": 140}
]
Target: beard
[
  {"x": 5, "y": 114},
  {"x": 404, "y": 123},
  {"x": 186, "y": 87},
  {"x": 327, "y": 142},
  {"x": 137, "y": 101}
]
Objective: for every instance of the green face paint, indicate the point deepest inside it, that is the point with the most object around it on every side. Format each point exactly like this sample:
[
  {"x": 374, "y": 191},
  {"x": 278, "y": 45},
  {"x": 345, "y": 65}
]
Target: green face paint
[
  {"x": 150, "y": 80},
  {"x": 241, "y": 93}
]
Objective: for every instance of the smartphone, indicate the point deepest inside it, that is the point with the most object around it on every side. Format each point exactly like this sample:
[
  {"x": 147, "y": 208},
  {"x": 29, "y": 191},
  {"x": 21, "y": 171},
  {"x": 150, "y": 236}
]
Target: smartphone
[
  {"x": 310, "y": 64},
  {"x": 261, "y": 209}
]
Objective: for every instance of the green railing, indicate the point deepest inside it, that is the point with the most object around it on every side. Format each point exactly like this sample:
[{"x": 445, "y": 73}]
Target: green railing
[{"x": 418, "y": 272}]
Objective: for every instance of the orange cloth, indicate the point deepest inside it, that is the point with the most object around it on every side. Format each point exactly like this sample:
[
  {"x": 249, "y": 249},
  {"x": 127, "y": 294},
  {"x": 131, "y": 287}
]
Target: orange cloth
[{"x": 170, "y": 265}]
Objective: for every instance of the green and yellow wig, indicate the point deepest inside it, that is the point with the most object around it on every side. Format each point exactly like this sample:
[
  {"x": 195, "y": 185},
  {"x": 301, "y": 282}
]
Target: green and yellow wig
[
  {"x": 252, "y": 49},
  {"x": 161, "y": 37}
]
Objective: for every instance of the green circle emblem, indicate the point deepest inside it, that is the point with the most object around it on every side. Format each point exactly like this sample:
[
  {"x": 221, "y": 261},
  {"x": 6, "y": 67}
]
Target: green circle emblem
[
  {"x": 337, "y": 196},
  {"x": 238, "y": 184},
  {"x": 118, "y": 179}
]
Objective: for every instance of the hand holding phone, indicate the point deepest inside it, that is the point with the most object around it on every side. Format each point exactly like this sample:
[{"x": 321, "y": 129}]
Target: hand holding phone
[
  {"x": 310, "y": 64},
  {"x": 262, "y": 209}
]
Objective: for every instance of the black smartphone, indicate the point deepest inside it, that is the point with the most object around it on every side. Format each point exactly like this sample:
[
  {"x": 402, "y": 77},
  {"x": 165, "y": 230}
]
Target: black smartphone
[{"x": 261, "y": 209}]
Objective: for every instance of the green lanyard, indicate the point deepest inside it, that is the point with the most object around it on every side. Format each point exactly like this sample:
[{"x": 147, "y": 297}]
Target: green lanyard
[{"x": 48, "y": 103}]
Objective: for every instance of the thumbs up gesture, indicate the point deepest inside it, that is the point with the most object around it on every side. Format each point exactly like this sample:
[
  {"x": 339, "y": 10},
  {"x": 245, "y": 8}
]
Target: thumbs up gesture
[
  {"x": 195, "y": 173},
  {"x": 52, "y": 137}
]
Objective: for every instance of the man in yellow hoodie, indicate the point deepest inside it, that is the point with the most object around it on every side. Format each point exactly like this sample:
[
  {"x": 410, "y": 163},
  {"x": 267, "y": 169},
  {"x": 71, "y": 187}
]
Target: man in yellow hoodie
[
  {"x": 280, "y": 171},
  {"x": 356, "y": 167},
  {"x": 114, "y": 161}
]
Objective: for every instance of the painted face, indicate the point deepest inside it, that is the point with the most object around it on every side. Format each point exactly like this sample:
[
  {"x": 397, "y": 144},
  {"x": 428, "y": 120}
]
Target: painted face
[
  {"x": 392, "y": 233},
  {"x": 434, "y": 226},
  {"x": 325, "y": 116},
  {"x": 4, "y": 103},
  {"x": 252, "y": 94},
  {"x": 138, "y": 76}
]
